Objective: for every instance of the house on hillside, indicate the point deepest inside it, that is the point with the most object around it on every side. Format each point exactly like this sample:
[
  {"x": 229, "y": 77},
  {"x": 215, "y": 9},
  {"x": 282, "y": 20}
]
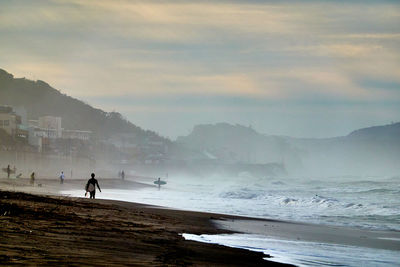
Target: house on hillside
[
  {"x": 9, "y": 120},
  {"x": 47, "y": 132}
]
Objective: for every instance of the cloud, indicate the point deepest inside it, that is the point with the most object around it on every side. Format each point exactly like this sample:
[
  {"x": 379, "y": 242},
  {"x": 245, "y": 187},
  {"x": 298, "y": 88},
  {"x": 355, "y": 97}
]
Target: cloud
[
  {"x": 157, "y": 21},
  {"x": 373, "y": 36},
  {"x": 237, "y": 55},
  {"x": 339, "y": 50}
]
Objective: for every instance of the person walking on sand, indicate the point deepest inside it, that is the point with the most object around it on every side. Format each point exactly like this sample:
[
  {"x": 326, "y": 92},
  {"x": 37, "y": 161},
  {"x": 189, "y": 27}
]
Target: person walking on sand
[
  {"x": 32, "y": 178},
  {"x": 62, "y": 177},
  {"x": 91, "y": 186},
  {"x": 8, "y": 171},
  {"x": 123, "y": 175}
]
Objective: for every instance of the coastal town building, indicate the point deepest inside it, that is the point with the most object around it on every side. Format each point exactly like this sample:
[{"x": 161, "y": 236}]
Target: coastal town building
[
  {"x": 35, "y": 138},
  {"x": 33, "y": 123},
  {"x": 51, "y": 125},
  {"x": 42, "y": 133},
  {"x": 9, "y": 120},
  {"x": 76, "y": 134}
]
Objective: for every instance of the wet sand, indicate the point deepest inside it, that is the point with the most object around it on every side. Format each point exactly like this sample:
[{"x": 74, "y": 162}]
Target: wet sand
[
  {"x": 39, "y": 229},
  {"x": 313, "y": 233}
]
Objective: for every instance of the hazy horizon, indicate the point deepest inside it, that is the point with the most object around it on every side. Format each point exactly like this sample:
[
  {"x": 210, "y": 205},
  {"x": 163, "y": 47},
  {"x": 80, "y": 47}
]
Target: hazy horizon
[
  {"x": 294, "y": 68},
  {"x": 231, "y": 123}
]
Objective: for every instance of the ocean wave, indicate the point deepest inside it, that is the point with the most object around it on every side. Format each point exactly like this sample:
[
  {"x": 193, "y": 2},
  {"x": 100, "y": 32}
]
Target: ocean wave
[
  {"x": 321, "y": 199},
  {"x": 352, "y": 205},
  {"x": 243, "y": 193},
  {"x": 318, "y": 202},
  {"x": 379, "y": 190},
  {"x": 278, "y": 183},
  {"x": 289, "y": 200}
]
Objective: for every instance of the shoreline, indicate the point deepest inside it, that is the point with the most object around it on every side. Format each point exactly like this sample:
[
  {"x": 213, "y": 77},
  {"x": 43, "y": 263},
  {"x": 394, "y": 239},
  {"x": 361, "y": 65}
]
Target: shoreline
[
  {"x": 198, "y": 223},
  {"x": 42, "y": 227}
]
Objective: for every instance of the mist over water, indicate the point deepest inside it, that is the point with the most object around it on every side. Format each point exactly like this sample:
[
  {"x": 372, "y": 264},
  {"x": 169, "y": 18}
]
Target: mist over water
[{"x": 364, "y": 202}]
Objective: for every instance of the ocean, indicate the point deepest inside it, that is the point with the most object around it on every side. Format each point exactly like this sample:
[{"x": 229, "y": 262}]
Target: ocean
[{"x": 363, "y": 202}]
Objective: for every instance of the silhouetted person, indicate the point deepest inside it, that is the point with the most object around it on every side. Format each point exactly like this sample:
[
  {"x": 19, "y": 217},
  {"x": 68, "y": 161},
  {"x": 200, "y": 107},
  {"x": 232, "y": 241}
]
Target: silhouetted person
[
  {"x": 8, "y": 171},
  {"x": 123, "y": 175},
  {"x": 62, "y": 177},
  {"x": 91, "y": 186},
  {"x": 32, "y": 178}
]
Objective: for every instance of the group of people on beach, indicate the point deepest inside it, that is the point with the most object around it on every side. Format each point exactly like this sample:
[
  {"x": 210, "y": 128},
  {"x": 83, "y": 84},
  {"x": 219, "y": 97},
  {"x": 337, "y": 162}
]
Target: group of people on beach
[
  {"x": 10, "y": 171},
  {"x": 90, "y": 185}
]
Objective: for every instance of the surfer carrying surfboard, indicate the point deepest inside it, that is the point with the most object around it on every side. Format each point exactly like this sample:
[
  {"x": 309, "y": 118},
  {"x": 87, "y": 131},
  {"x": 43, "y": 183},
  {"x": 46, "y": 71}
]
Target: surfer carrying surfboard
[
  {"x": 91, "y": 186},
  {"x": 159, "y": 182}
]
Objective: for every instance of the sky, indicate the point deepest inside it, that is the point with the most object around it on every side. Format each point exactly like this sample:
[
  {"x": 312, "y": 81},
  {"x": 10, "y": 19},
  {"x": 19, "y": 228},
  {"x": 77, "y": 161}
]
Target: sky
[{"x": 295, "y": 68}]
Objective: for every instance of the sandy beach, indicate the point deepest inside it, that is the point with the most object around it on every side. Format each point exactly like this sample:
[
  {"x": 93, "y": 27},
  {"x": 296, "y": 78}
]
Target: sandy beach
[{"x": 39, "y": 227}]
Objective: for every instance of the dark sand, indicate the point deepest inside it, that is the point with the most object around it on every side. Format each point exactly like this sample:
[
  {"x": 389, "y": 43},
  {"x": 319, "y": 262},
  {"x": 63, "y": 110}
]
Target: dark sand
[{"x": 37, "y": 229}]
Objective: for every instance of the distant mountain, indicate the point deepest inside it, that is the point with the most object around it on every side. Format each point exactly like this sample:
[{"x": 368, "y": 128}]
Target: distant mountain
[
  {"x": 240, "y": 144},
  {"x": 369, "y": 151},
  {"x": 386, "y": 132},
  {"x": 40, "y": 99}
]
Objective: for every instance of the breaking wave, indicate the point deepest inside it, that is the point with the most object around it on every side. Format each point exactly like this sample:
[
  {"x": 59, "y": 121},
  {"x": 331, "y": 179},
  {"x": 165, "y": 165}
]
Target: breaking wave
[{"x": 366, "y": 204}]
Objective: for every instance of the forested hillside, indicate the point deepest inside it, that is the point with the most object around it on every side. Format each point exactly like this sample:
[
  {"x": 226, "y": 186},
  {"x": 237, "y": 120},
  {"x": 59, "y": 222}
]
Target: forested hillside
[{"x": 40, "y": 99}]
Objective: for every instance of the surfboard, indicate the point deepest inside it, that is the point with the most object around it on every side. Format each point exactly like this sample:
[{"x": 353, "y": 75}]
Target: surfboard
[
  {"x": 160, "y": 182},
  {"x": 91, "y": 187}
]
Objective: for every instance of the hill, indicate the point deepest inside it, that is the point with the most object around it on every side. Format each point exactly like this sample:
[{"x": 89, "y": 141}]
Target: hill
[
  {"x": 40, "y": 99},
  {"x": 385, "y": 132},
  {"x": 369, "y": 151},
  {"x": 240, "y": 144}
]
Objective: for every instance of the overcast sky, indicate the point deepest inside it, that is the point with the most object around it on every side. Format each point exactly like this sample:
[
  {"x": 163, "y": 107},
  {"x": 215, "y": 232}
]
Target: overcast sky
[{"x": 298, "y": 68}]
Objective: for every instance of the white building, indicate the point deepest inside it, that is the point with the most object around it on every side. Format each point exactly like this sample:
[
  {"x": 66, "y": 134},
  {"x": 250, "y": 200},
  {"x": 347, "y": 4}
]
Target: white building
[
  {"x": 76, "y": 134},
  {"x": 52, "y": 125},
  {"x": 43, "y": 133}
]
